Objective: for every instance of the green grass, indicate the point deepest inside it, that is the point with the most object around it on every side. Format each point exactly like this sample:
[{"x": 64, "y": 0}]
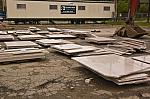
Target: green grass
[
  {"x": 144, "y": 24},
  {"x": 141, "y": 22}
]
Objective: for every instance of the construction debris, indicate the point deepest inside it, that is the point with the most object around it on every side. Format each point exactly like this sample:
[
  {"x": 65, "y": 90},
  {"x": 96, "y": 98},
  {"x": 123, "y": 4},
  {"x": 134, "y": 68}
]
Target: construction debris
[
  {"x": 53, "y": 30},
  {"x": 22, "y": 54},
  {"x": 67, "y": 46},
  {"x": 57, "y": 33},
  {"x": 6, "y": 38},
  {"x": 78, "y": 33},
  {"x": 22, "y": 32},
  {"x": 133, "y": 43},
  {"x": 34, "y": 29},
  {"x": 105, "y": 61},
  {"x": 31, "y": 37},
  {"x": 60, "y": 36},
  {"x": 128, "y": 46},
  {"x": 11, "y": 32},
  {"x": 42, "y": 32},
  {"x": 87, "y": 81},
  {"x": 95, "y": 30},
  {"x": 118, "y": 52},
  {"x": 74, "y": 31},
  {"x": 120, "y": 70},
  {"x": 73, "y": 49},
  {"x": 49, "y": 42},
  {"x": 144, "y": 58},
  {"x": 132, "y": 31},
  {"x": 96, "y": 52},
  {"x": 101, "y": 40},
  {"x": 3, "y": 33},
  {"x": 20, "y": 44}
]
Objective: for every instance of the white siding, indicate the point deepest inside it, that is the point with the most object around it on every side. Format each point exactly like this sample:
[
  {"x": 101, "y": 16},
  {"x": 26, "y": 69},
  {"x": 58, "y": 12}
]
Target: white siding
[{"x": 40, "y": 9}]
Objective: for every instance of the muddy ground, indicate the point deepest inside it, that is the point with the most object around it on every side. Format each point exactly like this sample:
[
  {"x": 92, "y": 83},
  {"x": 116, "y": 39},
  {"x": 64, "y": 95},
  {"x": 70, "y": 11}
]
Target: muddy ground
[{"x": 59, "y": 77}]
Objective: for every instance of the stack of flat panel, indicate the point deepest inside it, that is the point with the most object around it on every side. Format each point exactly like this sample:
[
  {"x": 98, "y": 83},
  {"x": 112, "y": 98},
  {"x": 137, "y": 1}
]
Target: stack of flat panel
[
  {"x": 20, "y": 44},
  {"x": 133, "y": 43},
  {"x": 78, "y": 33},
  {"x": 118, "y": 69},
  {"x": 11, "y": 32},
  {"x": 3, "y": 33},
  {"x": 101, "y": 40},
  {"x": 53, "y": 30},
  {"x": 22, "y": 54},
  {"x": 31, "y": 37},
  {"x": 42, "y": 32},
  {"x": 34, "y": 29},
  {"x": 122, "y": 48},
  {"x": 23, "y": 32},
  {"x": 118, "y": 51},
  {"x": 56, "y": 32},
  {"x": 144, "y": 58},
  {"x": 6, "y": 38},
  {"x": 96, "y": 52},
  {"x": 74, "y": 31},
  {"x": 49, "y": 42},
  {"x": 95, "y": 30},
  {"x": 60, "y": 36},
  {"x": 73, "y": 49}
]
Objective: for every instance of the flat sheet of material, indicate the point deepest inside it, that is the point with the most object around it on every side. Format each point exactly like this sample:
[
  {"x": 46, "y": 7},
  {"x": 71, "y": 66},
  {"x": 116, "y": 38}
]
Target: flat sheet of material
[
  {"x": 23, "y": 32},
  {"x": 49, "y": 42},
  {"x": 113, "y": 67},
  {"x": 34, "y": 29},
  {"x": 22, "y": 54},
  {"x": 133, "y": 43},
  {"x": 11, "y": 31},
  {"x": 6, "y": 37},
  {"x": 3, "y": 32},
  {"x": 74, "y": 49},
  {"x": 67, "y": 46},
  {"x": 42, "y": 32},
  {"x": 31, "y": 37},
  {"x": 100, "y": 40},
  {"x": 54, "y": 30},
  {"x": 144, "y": 58},
  {"x": 60, "y": 36},
  {"x": 20, "y": 44},
  {"x": 82, "y": 49}
]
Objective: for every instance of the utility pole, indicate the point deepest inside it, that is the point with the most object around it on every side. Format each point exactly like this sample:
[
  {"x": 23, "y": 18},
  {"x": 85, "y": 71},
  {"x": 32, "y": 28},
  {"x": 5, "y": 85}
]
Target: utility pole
[{"x": 148, "y": 16}]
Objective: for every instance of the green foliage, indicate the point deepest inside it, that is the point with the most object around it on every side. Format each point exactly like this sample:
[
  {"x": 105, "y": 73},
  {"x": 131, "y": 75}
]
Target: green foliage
[
  {"x": 122, "y": 6},
  {"x": 143, "y": 8}
]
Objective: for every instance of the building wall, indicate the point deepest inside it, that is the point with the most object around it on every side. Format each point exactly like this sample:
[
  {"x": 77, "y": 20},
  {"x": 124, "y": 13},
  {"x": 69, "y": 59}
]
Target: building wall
[{"x": 40, "y": 9}]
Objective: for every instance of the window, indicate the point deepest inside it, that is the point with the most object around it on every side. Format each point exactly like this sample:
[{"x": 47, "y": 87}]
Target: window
[
  {"x": 21, "y": 6},
  {"x": 106, "y": 8},
  {"x": 53, "y": 7},
  {"x": 81, "y": 7}
]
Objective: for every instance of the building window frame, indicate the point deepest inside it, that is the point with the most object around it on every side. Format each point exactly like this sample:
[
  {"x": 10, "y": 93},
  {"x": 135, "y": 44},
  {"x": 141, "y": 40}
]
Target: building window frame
[
  {"x": 81, "y": 8},
  {"x": 53, "y": 7},
  {"x": 106, "y": 8},
  {"x": 21, "y": 6}
]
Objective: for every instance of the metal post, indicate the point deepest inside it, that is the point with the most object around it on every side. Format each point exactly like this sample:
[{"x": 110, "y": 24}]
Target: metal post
[
  {"x": 116, "y": 10},
  {"x": 3, "y": 5},
  {"x": 148, "y": 17}
]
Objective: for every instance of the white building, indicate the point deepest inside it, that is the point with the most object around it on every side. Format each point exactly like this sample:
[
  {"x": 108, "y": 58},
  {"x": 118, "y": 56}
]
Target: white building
[{"x": 58, "y": 10}]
